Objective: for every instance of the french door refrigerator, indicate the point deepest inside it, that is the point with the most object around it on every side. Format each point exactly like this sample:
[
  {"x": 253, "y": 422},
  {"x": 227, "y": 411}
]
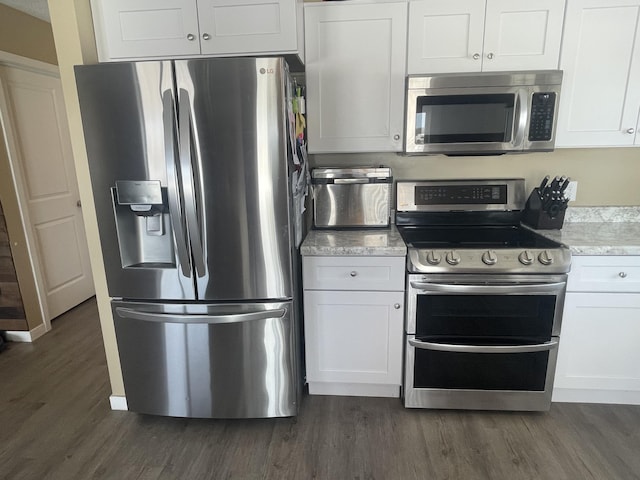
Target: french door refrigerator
[{"x": 191, "y": 164}]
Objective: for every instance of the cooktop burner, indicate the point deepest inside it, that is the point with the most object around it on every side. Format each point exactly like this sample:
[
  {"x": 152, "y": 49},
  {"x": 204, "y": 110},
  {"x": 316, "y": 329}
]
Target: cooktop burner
[{"x": 480, "y": 237}]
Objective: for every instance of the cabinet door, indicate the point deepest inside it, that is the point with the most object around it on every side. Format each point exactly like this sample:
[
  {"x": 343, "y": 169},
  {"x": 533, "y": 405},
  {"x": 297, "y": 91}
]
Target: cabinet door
[
  {"x": 445, "y": 36},
  {"x": 247, "y": 26},
  {"x": 522, "y": 35},
  {"x": 355, "y": 68},
  {"x": 599, "y": 356},
  {"x": 353, "y": 337},
  {"x": 601, "y": 61},
  {"x": 145, "y": 28}
]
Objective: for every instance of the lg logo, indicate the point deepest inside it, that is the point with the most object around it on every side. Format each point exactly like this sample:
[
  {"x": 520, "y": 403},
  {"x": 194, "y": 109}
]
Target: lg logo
[{"x": 270, "y": 71}]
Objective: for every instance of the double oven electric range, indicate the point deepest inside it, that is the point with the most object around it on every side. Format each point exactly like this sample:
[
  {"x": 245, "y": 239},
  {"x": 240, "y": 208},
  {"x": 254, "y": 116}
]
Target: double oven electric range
[{"x": 484, "y": 297}]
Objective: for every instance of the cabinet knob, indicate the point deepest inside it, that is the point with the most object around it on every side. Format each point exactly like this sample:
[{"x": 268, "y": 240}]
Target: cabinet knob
[
  {"x": 354, "y": 273},
  {"x": 631, "y": 131},
  {"x": 490, "y": 56},
  {"x": 396, "y": 137},
  {"x": 191, "y": 37},
  {"x": 206, "y": 36},
  {"x": 397, "y": 306},
  {"x": 476, "y": 56},
  {"x": 622, "y": 274}
]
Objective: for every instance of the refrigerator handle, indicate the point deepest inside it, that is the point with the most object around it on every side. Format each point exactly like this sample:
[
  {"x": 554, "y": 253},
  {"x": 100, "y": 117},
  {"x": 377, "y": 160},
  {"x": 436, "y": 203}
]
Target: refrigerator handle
[
  {"x": 179, "y": 233},
  {"x": 188, "y": 181},
  {"x": 199, "y": 318}
]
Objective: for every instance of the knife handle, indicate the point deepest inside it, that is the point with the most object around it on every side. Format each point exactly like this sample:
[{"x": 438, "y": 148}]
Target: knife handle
[{"x": 545, "y": 180}]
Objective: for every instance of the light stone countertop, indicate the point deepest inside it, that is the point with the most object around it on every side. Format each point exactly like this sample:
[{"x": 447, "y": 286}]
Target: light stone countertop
[
  {"x": 586, "y": 231},
  {"x": 373, "y": 241},
  {"x": 599, "y": 231}
]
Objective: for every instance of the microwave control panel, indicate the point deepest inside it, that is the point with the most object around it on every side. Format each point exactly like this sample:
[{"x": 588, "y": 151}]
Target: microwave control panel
[{"x": 542, "y": 112}]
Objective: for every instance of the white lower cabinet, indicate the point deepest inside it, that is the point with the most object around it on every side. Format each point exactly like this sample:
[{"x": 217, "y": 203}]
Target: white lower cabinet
[
  {"x": 353, "y": 338},
  {"x": 600, "y": 339}
]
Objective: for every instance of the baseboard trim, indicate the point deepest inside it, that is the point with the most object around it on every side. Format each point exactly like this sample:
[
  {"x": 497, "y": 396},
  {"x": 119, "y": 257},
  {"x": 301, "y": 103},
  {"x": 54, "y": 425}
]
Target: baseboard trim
[
  {"x": 26, "y": 337},
  {"x": 354, "y": 389},
  {"x": 576, "y": 395},
  {"x": 118, "y": 402}
]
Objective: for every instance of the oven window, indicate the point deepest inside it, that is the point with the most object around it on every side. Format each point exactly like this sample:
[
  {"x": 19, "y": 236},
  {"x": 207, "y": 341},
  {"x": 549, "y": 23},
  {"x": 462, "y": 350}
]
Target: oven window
[
  {"x": 480, "y": 371},
  {"x": 464, "y": 118},
  {"x": 502, "y": 318}
]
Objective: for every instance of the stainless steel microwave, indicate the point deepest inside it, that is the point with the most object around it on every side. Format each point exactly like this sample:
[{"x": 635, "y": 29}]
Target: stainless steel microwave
[{"x": 482, "y": 113}]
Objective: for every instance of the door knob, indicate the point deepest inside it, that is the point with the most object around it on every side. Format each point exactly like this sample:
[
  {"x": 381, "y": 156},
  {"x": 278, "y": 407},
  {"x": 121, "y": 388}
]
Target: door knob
[
  {"x": 191, "y": 37},
  {"x": 490, "y": 56},
  {"x": 476, "y": 56},
  {"x": 396, "y": 137},
  {"x": 206, "y": 36},
  {"x": 397, "y": 306},
  {"x": 631, "y": 131}
]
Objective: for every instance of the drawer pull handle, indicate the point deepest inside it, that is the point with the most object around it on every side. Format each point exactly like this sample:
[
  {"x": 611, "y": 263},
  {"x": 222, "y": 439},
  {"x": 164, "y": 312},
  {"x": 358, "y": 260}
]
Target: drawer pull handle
[
  {"x": 396, "y": 306},
  {"x": 354, "y": 273},
  {"x": 622, "y": 274}
]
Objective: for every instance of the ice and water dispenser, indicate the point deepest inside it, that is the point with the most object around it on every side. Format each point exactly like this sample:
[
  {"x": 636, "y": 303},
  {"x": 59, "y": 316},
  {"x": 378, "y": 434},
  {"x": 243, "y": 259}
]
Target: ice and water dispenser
[{"x": 143, "y": 224}]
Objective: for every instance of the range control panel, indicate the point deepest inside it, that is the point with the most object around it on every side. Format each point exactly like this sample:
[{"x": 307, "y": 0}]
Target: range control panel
[
  {"x": 556, "y": 260},
  {"x": 460, "y": 195}
]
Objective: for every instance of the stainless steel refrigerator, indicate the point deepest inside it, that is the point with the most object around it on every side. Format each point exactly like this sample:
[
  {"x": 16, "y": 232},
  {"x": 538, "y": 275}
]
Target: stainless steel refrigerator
[{"x": 191, "y": 165}]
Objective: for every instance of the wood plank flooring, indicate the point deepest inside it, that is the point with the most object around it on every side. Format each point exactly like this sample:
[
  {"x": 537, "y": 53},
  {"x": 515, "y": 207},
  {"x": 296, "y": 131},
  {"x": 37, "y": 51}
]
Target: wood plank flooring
[{"x": 55, "y": 423}]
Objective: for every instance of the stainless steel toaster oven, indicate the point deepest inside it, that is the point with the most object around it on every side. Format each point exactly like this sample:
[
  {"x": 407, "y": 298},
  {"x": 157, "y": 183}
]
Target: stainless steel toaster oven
[{"x": 357, "y": 197}]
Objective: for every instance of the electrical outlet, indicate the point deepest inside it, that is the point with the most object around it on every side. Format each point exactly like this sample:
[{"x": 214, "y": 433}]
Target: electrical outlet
[{"x": 572, "y": 190}]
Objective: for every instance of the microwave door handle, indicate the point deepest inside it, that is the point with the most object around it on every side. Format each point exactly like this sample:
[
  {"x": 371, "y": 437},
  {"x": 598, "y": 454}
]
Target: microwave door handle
[
  {"x": 189, "y": 180},
  {"x": 447, "y": 347},
  {"x": 173, "y": 192},
  {"x": 521, "y": 114}
]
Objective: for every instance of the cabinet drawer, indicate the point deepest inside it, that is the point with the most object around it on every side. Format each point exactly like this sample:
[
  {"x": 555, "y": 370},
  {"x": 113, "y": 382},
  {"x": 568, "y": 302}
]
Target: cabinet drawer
[
  {"x": 604, "y": 274},
  {"x": 353, "y": 273}
]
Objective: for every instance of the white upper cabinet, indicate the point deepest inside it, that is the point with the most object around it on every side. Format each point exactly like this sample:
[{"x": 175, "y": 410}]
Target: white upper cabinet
[
  {"x": 522, "y": 34},
  {"x": 355, "y": 70},
  {"x": 445, "y": 36},
  {"x": 247, "y": 26},
  {"x": 138, "y": 29},
  {"x": 448, "y": 36},
  {"x": 600, "y": 57}
]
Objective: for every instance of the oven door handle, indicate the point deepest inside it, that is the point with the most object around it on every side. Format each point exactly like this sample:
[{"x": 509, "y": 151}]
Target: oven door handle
[
  {"x": 486, "y": 289},
  {"x": 448, "y": 347}
]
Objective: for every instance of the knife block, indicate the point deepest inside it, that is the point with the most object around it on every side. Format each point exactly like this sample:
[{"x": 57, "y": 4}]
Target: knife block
[{"x": 537, "y": 217}]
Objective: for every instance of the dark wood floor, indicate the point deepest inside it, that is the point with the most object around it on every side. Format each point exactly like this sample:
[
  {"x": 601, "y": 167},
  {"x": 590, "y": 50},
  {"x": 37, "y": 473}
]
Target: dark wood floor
[{"x": 55, "y": 422}]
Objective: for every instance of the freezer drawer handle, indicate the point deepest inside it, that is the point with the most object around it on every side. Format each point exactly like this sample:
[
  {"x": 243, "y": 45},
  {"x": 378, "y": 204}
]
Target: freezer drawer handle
[
  {"x": 447, "y": 347},
  {"x": 198, "y": 318}
]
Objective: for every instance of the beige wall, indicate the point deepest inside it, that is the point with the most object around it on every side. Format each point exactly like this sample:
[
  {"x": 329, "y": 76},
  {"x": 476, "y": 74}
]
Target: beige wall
[
  {"x": 606, "y": 176},
  {"x": 27, "y": 36},
  {"x": 75, "y": 42}
]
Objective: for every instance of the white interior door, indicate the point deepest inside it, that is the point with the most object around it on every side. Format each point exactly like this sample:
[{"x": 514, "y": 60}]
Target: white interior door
[{"x": 37, "y": 136}]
